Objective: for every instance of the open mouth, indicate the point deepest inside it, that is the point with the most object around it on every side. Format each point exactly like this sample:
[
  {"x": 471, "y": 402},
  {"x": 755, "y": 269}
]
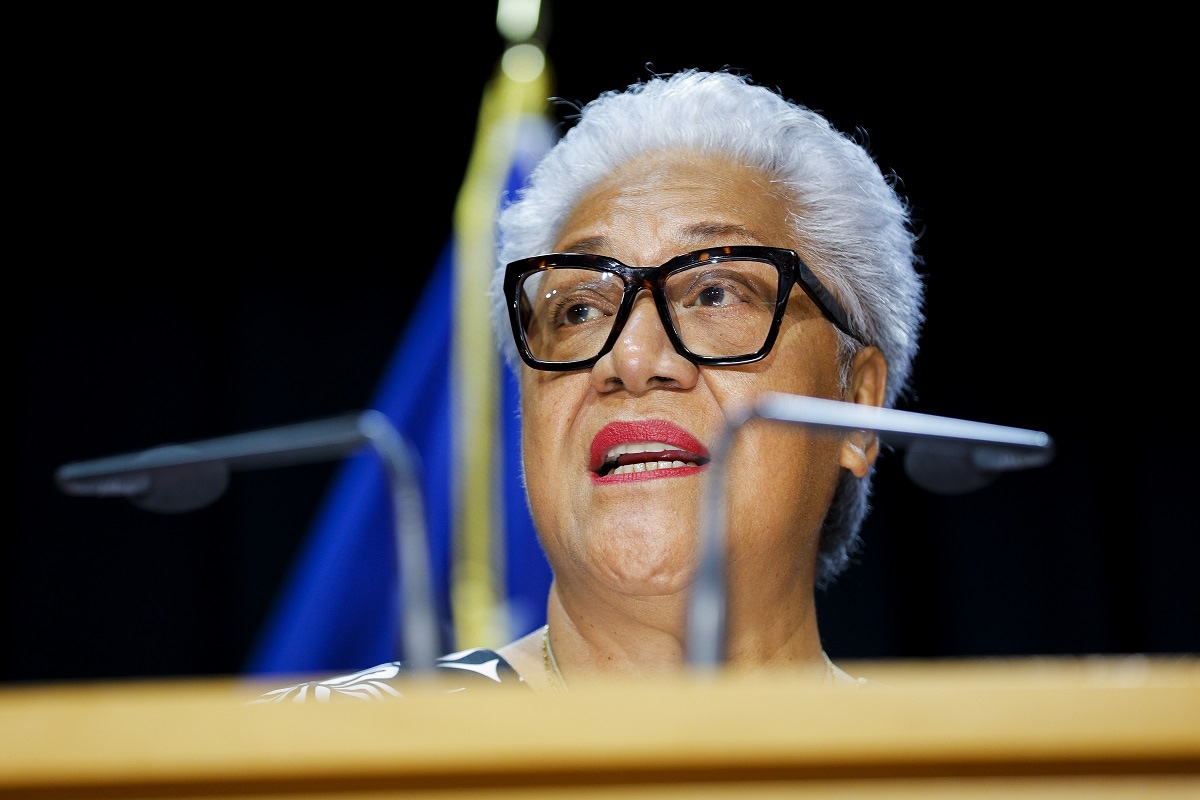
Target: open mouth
[
  {"x": 626, "y": 459},
  {"x": 631, "y": 450}
]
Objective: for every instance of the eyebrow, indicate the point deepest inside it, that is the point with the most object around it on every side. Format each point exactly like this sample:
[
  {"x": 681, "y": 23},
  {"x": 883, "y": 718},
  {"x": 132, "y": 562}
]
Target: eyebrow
[
  {"x": 597, "y": 245},
  {"x": 709, "y": 230},
  {"x": 701, "y": 235}
]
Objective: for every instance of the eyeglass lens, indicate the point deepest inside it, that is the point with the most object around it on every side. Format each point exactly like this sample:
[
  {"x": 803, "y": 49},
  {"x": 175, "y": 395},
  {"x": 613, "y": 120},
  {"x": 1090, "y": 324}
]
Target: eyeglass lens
[{"x": 719, "y": 309}]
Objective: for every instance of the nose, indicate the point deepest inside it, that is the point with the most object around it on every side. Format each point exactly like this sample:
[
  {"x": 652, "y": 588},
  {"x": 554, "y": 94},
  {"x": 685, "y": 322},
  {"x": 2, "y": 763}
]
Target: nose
[{"x": 643, "y": 357}]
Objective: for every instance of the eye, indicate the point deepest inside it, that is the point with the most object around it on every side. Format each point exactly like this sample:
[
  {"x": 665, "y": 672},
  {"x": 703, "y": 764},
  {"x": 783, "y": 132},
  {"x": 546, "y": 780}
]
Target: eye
[
  {"x": 725, "y": 285},
  {"x": 579, "y": 313},
  {"x": 569, "y": 297},
  {"x": 715, "y": 296},
  {"x": 716, "y": 289}
]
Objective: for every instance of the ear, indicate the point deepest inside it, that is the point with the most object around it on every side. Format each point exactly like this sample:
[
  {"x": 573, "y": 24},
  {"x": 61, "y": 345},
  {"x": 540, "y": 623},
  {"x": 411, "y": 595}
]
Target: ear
[{"x": 868, "y": 383}]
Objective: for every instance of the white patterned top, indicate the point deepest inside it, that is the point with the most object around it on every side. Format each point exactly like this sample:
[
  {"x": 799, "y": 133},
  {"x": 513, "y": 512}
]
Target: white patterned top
[{"x": 458, "y": 672}]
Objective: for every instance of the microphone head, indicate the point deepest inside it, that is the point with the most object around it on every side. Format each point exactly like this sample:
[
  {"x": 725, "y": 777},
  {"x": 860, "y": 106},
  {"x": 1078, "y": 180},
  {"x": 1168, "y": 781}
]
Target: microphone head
[
  {"x": 945, "y": 466},
  {"x": 179, "y": 487}
]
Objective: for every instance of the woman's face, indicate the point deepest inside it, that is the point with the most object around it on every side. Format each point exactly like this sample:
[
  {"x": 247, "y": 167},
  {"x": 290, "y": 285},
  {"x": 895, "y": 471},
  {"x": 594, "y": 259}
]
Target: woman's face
[{"x": 636, "y": 534}]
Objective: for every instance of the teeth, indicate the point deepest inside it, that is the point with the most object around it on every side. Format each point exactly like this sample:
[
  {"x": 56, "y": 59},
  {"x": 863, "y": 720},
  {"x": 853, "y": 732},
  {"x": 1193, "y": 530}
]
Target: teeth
[
  {"x": 614, "y": 453},
  {"x": 636, "y": 447},
  {"x": 649, "y": 466}
]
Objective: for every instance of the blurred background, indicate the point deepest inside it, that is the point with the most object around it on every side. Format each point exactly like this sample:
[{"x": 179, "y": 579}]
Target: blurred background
[{"x": 228, "y": 221}]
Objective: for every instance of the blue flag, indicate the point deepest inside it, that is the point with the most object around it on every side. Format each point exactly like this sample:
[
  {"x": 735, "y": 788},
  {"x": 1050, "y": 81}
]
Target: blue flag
[{"x": 338, "y": 609}]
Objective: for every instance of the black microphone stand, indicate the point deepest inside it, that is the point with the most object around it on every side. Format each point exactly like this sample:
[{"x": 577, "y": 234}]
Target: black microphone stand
[{"x": 179, "y": 478}]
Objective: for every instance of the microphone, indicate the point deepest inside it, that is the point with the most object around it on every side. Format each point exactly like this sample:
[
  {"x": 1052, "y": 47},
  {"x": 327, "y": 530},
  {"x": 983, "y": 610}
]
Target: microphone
[
  {"x": 950, "y": 467},
  {"x": 184, "y": 477},
  {"x": 942, "y": 454}
]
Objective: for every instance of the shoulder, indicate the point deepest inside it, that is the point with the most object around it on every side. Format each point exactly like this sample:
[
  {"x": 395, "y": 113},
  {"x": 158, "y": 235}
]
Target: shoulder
[{"x": 460, "y": 671}]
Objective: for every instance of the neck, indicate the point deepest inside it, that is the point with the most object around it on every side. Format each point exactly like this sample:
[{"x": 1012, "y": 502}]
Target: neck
[{"x": 648, "y": 638}]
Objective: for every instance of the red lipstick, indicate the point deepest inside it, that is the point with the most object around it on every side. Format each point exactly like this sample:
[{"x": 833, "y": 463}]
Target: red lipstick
[{"x": 681, "y": 446}]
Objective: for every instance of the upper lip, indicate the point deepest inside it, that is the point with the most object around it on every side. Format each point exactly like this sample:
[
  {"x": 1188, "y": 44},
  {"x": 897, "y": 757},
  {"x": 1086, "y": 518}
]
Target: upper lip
[{"x": 615, "y": 437}]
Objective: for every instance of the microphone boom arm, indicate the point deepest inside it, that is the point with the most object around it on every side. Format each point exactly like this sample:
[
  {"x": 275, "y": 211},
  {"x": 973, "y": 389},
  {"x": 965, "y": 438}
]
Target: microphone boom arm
[
  {"x": 975, "y": 449},
  {"x": 177, "y": 478}
]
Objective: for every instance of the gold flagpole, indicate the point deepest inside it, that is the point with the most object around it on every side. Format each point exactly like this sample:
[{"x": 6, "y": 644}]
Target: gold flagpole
[{"x": 519, "y": 86}]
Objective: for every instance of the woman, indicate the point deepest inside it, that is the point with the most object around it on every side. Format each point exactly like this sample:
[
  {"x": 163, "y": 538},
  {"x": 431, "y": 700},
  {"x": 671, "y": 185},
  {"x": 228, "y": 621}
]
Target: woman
[{"x": 692, "y": 242}]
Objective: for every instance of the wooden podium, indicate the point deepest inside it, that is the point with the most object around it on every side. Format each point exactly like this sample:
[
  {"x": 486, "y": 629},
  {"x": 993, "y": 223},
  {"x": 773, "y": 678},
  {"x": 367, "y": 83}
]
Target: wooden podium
[{"x": 1062, "y": 728}]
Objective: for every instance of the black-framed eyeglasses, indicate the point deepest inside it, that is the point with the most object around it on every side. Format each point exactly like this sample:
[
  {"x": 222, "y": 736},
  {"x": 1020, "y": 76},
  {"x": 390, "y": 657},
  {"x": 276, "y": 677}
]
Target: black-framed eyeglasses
[{"x": 720, "y": 306}]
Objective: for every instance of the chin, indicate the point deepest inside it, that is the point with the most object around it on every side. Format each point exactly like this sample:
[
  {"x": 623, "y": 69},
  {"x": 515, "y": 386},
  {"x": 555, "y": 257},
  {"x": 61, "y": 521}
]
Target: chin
[{"x": 648, "y": 568}]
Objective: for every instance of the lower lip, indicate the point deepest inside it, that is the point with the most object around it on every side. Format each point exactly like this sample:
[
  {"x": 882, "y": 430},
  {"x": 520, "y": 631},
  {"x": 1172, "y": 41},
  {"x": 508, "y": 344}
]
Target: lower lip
[{"x": 648, "y": 475}]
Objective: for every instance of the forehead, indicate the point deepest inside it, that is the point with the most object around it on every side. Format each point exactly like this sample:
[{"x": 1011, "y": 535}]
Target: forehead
[{"x": 664, "y": 203}]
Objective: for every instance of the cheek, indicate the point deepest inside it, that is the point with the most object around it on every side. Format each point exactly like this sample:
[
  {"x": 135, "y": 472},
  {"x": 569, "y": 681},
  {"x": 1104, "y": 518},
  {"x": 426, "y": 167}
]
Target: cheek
[
  {"x": 785, "y": 479},
  {"x": 546, "y": 445},
  {"x": 804, "y": 359},
  {"x": 533, "y": 445}
]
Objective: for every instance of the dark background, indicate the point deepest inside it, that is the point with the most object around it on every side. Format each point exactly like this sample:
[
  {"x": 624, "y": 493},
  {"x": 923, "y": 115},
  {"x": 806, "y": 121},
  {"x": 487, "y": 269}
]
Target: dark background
[{"x": 225, "y": 221}]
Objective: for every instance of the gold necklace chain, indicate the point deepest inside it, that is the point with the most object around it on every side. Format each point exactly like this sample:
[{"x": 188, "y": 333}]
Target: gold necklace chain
[{"x": 553, "y": 673}]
